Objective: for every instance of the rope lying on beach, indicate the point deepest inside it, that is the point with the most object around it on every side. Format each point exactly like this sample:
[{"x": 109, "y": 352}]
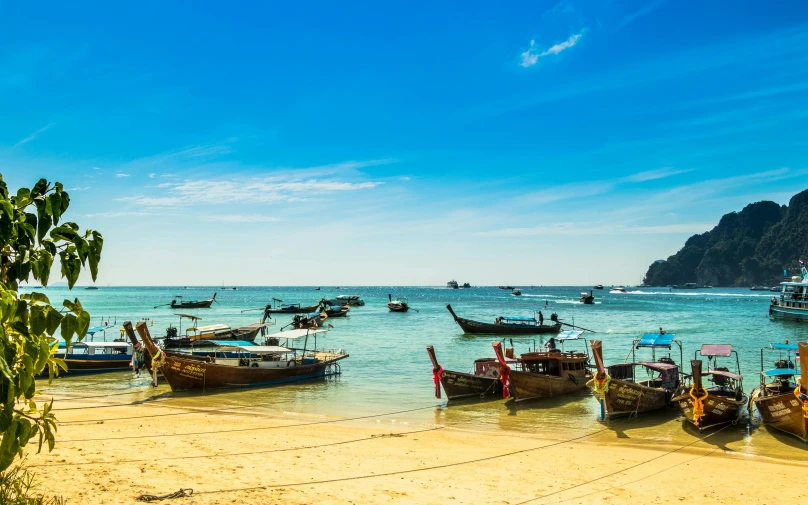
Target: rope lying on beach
[
  {"x": 182, "y": 493},
  {"x": 236, "y": 430},
  {"x": 245, "y": 453},
  {"x": 630, "y": 467}
]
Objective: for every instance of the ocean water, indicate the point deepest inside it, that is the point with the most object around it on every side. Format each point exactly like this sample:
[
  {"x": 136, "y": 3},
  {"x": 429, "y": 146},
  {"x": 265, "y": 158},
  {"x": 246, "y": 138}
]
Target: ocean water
[{"x": 388, "y": 371}]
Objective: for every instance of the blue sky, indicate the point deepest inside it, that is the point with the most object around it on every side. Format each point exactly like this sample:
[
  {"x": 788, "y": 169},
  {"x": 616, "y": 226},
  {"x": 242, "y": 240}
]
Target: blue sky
[{"x": 552, "y": 142}]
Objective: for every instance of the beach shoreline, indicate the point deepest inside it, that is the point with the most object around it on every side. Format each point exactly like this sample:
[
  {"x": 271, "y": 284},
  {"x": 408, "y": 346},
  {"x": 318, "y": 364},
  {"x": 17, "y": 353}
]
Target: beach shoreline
[{"x": 110, "y": 452}]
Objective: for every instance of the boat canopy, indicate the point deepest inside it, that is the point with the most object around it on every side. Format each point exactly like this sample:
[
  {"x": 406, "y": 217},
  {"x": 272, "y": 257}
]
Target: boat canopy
[
  {"x": 348, "y": 297},
  {"x": 312, "y": 315},
  {"x": 256, "y": 349},
  {"x": 784, "y": 347},
  {"x": 220, "y": 343},
  {"x": 802, "y": 284},
  {"x": 97, "y": 345},
  {"x": 95, "y": 329},
  {"x": 659, "y": 367},
  {"x": 722, "y": 373},
  {"x": 189, "y": 316},
  {"x": 292, "y": 334},
  {"x": 518, "y": 318},
  {"x": 210, "y": 328},
  {"x": 720, "y": 350},
  {"x": 569, "y": 335},
  {"x": 656, "y": 340},
  {"x": 256, "y": 326},
  {"x": 779, "y": 372}
]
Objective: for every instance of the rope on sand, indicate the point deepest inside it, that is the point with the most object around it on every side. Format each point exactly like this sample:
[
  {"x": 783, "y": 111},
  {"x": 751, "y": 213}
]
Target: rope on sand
[{"x": 182, "y": 493}]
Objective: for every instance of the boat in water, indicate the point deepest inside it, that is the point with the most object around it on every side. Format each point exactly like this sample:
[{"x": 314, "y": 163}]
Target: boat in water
[
  {"x": 760, "y": 288},
  {"x": 598, "y": 286},
  {"x": 687, "y": 285},
  {"x": 176, "y": 338},
  {"x": 781, "y": 403},
  {"x": 452, "y": 284},
  {"x": 546, "y": 373},
  {"x": 400, "y": 304},
  {"x": 252, "y": 366},
  {"x": 352, "y": 300},
  {"x": 618, "y": 290},
  {"x": 278, "y": 307},
  {"x": 179, "y": 303},
  {"x": 516, "y": 292},
  {"x": 94, "y": 356},
  {"x": 623, "y": 391},
  {"x": 335, "y": 310},
  {"x": 466, "y": 285},
  {"x": 719, "y": 404},
  {"x": 509, "y": 325},
  {"x": 587, "y": 298},
  {"x": 482, "y": 382},
  {"x": 792, "y": 304}
]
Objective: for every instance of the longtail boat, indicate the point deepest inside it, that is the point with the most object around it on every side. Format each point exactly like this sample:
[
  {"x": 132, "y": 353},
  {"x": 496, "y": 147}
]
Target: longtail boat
[
  {"x": 398, "y": 305},
  {"x": 544, "y": 374},
  {"x": 194, "y": 333},
  {"x": 782, "y": 404},
  {"x": 255, "y": 365},
  {"x": 336, "y": 310},
  {"x": 722, "y": 403},
  {"x": 352, "y": 300},
  {"x": 91, "y": 356},
  {"x": 508, "y": 325},
  {"x": 587, "y": 298},
  {"x": 619, "y": 389},
  {"x": 179, "y": 303},
  {"x": 483, "y": 382},
  {"x": 312, "y": 320},
  {"x": 278, "y": 307}
]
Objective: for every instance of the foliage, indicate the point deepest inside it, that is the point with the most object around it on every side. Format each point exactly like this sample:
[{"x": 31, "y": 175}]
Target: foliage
[
  {"x": 749, "y": 247},
  {"x": 31, "y": 236},
  {"x": 17, "y": 488}
]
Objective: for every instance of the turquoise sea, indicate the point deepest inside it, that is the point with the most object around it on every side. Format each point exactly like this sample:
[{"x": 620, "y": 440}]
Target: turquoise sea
[{"x": 389, "y": 371}]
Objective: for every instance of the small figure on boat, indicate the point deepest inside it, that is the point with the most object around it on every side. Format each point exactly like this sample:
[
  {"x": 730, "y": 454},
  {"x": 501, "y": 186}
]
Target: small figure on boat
[
  {"x": 541, "y": 318},
  {"x": 551, "y": 344}
]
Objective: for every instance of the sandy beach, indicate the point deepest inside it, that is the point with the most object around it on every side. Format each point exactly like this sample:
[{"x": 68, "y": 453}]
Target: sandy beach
[{"x": 110, "y": 451}]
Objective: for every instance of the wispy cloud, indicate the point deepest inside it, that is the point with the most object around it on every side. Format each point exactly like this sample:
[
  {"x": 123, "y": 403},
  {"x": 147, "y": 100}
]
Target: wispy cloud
[
  {"x": 531, "y": 56},
  {"x": 643, "y": 11},
  {"x": 152, "y": 176},
  {"x": 568, "y": 191},
  {"x": 79, "y": 188},
  {"x": 597, "y": 228},
  {"x": 652, "y": 175},
  {"x": 32, "y": 136},
  {"x": 121, "y": 174},
  {"x": 241, "y": 218},
  {"x": 118, "y": 214}
]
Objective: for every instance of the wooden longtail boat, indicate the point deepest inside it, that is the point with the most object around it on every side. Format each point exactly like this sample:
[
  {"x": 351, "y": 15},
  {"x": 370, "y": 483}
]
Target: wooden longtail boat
[
  {"x": 352, "y": 300},
  {"x": 313, "y": 320},
  {"x": 587, "y": 298},
  {"x": 783, "y": 405},
  {"x": 508, "y": 325},
  {"x": 484, "y": 382},
  {"x": 336, "y": 310},
  {"x": 89, "y": 356},
  {"x": 277, "y": 307},
  {"x": 545, "y": 374},
  {"x": 398, "y": 305},
  {"x": 716, "y": 405},
  {"x": 256, "y": 366},
  {"x": 622, "y": 392},
  {"x": 179, "y": 303}
]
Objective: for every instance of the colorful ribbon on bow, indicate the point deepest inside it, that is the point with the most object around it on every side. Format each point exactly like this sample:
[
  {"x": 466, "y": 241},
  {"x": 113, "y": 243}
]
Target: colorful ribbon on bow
[
  {"x": 157, "y": 362},
  {"x": 698, "y": 405},
  {"x": 601, "y": 385},
  {"x": 437, "y": 374},
  {"x": 505, "y": 378}
]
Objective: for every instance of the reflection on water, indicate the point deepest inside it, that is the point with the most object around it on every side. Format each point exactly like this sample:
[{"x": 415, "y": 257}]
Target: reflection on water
[{"x": 389, "y": 371}]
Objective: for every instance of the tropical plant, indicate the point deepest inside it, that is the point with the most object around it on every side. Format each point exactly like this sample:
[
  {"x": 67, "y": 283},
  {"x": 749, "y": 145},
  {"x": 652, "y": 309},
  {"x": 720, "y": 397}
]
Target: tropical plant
[{"x": 31, "y": 236}]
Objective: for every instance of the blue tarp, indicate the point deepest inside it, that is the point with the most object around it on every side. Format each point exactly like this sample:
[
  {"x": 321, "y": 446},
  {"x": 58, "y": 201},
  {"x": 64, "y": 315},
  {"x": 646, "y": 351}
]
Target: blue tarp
[
  {"x": 517, "y": 318},
  {"x": 236, "y": 343},
  {"x": 656, "y": 340},
  {"x": 785, "y": 347},
  {"x": 780, "y": 371},
  {"x": 95, "y": 329}
]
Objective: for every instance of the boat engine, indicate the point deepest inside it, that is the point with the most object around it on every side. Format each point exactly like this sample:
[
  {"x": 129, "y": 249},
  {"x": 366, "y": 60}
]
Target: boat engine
[
  {"x": 783, "y": 363},
  {"x": 273, "y": 341},
  {"x": 171, "y": 332}
]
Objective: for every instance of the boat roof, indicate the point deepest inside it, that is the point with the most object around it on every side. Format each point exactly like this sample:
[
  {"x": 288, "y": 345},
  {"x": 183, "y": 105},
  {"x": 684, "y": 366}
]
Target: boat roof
[
  {"x": 256, "y": 326},
  {"x": 569, "y": 335},
  {"x": 95, "y": 329},
  {"x": 721, "y": 350},
  {"x": 656, "y": 340},
  {"x": 296, "y": 333},
  {"x": 220, "y": 343},
  {"x": 98, "y": 345},
  {"x": 348, "y": 297},
  {"x": 256, "y": 349},
  {"x": 518, "y": 318},
  {"x": 775, "y": 372},
  {"x": 731, "y": 375},
  {"x": 783, "y": 347},
  {"x": 655, "y": 365},
  {"x": 803, "y": 284},
  {"x": 209, "y": 328}
]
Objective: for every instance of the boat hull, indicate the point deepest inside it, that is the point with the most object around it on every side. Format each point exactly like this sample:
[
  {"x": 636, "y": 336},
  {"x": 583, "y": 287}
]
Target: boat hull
[
  {"x": 186, "y": 374},
  {"x": 528, "y": 386},
  {"x": 782, "y": 412},
  {"x": 465, "y": 385},
  {"x": 628, "y": 398},
  {"x": 396, "y": 307},
  {"x": 718, "y": 410},
  {"x": 788, "y": 313},
  {"x": 192, "y": 305},
  {"x": 470, "y": 326},
  {"x": 294, "y": 310},
  {"x": 100, "y": 364},
  {"x": 235, "y": 335}
]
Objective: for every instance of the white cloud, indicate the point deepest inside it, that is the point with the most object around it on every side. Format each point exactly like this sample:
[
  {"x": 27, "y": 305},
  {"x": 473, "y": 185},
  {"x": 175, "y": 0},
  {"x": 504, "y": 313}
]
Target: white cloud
[
  {"x": 652, "y": 175},
  {"x": 594, "y": 228},
  {"x": 118, "y": 214},
  {"x": 120, "y": 174},
  {"x": 152, "y": 176},
  {"x": 33, "y": 136},
  {"x": 532, "y": 55},
  {"x": 239, "y": 218}
]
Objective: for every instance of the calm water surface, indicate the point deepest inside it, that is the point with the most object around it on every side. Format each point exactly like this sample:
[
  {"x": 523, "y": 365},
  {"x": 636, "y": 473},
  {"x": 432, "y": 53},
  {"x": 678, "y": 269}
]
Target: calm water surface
[{"x": 389, "y": 370}]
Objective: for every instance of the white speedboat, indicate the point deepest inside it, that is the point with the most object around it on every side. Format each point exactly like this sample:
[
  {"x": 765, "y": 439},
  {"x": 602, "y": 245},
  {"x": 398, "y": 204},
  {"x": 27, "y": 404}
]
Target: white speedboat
[{"x": 618, "y": 290}]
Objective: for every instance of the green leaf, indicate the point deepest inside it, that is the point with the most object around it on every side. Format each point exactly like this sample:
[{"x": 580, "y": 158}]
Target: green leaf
[
  {"x": 68, "y": 326},
  {"x": 40, "y": 188},
  {"x": 63, "y": 232},
  {"x": 35, "y": 297},
  {"x": 38, "y": 320},
  {"x": 54, "y": 319},
  {"x": 83, "y": 321},
  {"x": 24, "y": 431},
  {"x": 55, "y": 201}
]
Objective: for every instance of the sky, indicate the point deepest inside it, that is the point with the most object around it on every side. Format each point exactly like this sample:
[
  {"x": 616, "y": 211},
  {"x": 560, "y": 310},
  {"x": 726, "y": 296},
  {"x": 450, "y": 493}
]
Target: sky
[{"x": 402, "y": 143}]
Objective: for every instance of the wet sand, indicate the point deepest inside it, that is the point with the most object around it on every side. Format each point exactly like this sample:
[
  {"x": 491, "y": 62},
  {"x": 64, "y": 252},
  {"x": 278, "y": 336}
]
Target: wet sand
[{"x": 108, "y": 453}]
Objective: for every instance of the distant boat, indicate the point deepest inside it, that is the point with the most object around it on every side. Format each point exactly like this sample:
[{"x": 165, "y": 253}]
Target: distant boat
[
  {"x": 484, "y": 382},
  {"x": 509, "y": 325},
  {"x": 466, "y": 285},
  {"x": 516, "y": 292},
  {"x": 352, "y": 300},
  {"x": 452, "y": 284},
  {"x": 506, "y": 287},
  {"x": 792, "y": 304},
  {"x": 179, "y": 303},
  {"x": 760, "y": 288},
  {"x": 618, "y": 290},
  {"x": 91, "y": 287},
  {"x": 587, "y": 298},
  {"x": 399, "y": 305},
  {"x": 598, "y": 286},
  {"x": 688, "y": 285},
  {"x": 278, "y": 307}
]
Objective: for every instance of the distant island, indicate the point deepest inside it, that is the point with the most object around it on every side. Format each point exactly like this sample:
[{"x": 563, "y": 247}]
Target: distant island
[{"x": 746, "y": 248}]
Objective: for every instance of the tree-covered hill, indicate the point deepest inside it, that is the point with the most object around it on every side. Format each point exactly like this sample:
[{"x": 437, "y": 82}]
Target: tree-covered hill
[{"x": 749, "y": 247}]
